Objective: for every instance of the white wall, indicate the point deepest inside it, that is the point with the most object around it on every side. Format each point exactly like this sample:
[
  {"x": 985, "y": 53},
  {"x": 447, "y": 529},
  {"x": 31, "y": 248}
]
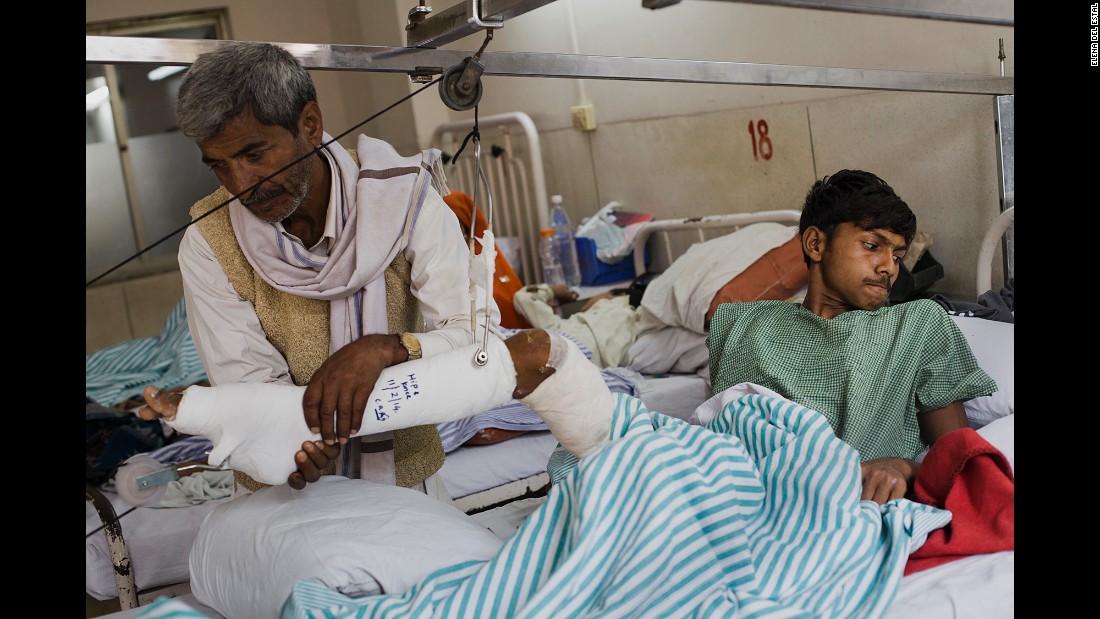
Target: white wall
[{"x": 725, "y": 32}]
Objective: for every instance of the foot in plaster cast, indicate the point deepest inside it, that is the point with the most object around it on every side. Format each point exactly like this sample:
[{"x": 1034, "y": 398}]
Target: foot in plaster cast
[
  {"x": 564, "y": 388},
  {"x": 262, "y": 424}
]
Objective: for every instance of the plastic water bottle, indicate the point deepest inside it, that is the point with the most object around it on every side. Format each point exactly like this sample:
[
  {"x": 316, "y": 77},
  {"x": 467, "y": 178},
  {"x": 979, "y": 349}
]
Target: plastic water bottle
[
  {"x": 565, "y": 244},
  {"x": 552, "y": 272}
]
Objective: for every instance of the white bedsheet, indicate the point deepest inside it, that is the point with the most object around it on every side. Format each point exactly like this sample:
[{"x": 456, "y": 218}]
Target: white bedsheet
[
  {"x": 471, "y": 469},
  {"x": 159, "y": 540},
  {"x": 675, "y": 395},
  {"x": 978, "y": 587}
]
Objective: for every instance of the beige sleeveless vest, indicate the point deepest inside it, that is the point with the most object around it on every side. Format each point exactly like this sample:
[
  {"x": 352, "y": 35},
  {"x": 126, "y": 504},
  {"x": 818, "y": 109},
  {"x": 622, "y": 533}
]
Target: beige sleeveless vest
[{"x": 299, "y": 328}]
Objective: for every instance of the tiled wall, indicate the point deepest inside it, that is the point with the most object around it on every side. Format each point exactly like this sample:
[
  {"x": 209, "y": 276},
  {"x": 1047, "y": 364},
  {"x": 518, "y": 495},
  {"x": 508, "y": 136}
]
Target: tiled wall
[
  {"x": 939, "y": 151},
  {"x": 127, "y": 310}
]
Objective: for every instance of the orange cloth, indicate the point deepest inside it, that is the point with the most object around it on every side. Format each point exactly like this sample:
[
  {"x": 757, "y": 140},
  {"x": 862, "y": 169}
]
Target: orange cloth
[
  {"x": 777, "y": 275},
  {"x": 505, "y": 280}
]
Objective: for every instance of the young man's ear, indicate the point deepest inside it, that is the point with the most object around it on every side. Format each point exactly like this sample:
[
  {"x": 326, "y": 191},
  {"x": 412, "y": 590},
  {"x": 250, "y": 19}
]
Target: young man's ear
[{"x": 813, "y": 243}]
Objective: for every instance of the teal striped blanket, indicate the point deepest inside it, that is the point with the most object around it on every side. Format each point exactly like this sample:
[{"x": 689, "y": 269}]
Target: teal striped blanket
[
  {"x": 120, "y": 372},
  {"x": 757, "y": 514}
]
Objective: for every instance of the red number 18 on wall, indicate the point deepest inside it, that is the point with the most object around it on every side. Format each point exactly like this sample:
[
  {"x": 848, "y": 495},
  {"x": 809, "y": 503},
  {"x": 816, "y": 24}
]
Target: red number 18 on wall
[{"x": 761, "y": 143}]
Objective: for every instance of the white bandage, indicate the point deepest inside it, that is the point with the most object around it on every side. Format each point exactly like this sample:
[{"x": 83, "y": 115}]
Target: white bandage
[
  {"x": 260, "y": 426},
  {"x": 574, "y": 401},
  {"x": 483, "y": 265}
]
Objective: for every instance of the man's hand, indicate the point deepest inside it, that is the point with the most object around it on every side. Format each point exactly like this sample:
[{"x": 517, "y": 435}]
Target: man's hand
[
  {"x": 339, "y": 390},
  {"x": 563, "y": 293},
  {"x": 886, "y": 479},
  {"x": 314, "y": 456},
  {"x": 595, "y": 299}
]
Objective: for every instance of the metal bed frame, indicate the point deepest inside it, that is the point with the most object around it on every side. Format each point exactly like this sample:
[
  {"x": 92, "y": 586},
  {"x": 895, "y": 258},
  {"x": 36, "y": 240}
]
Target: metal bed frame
[
  {"x": 515, "y": 177},
  {"x": 664, "y": 227}
]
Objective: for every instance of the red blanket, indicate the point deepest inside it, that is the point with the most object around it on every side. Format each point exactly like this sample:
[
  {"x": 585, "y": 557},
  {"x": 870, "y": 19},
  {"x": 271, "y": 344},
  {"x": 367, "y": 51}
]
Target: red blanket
[{"x": 966, "y": 475}]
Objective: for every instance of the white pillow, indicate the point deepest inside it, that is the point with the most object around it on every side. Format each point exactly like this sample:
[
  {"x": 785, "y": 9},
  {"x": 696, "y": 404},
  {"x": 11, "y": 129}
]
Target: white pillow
[
  {"x": 993, "y": 344},
  {"x": 1000, "y": 433},
  {"x": 351, "y": 535},
  {"x": 669, "y": 349},
  {"x": 681, "y": 296}
]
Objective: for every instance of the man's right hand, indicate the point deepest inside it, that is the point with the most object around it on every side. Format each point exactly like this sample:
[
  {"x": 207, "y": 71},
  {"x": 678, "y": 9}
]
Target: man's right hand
[
  {"x": 311, "y": 459},
  {"x": 338, "y": 393}
]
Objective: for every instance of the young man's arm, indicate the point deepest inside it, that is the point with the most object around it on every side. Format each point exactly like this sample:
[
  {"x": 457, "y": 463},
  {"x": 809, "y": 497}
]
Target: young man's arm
[{"x": 886, "y": 479}]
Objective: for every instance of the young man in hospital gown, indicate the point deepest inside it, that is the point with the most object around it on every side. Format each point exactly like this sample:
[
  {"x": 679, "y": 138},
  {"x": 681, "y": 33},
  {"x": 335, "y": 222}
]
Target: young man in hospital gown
[
  {"x": 327, "y": 266},
  {"x": 890, "y": 380}
]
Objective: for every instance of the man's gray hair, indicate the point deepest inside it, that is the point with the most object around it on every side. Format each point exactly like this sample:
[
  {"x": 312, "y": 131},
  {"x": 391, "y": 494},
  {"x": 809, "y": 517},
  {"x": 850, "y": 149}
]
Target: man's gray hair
[{"x": 221, "y": 84}]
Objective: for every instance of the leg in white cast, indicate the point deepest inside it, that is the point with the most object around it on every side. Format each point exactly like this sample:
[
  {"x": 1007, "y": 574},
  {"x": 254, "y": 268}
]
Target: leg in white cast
[{"x": 259, "y": 427}]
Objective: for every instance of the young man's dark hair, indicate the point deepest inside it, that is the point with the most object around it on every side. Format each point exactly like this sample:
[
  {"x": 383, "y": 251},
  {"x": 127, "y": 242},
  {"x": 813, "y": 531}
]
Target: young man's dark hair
[{"x": 857, "y": 197}]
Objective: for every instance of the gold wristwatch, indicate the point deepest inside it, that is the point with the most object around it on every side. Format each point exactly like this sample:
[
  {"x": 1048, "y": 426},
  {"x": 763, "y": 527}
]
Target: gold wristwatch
[{"x": 411, "y": 344}]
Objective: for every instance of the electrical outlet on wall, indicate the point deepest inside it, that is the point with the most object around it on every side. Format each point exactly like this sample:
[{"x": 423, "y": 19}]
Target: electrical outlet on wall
[{"x": 584, "y": 117}]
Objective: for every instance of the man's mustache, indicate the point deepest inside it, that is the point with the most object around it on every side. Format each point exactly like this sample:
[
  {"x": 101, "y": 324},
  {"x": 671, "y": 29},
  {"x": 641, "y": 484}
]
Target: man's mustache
[
  {"x": 884, "y": 282},
  {"x": 261, "y": 194}
]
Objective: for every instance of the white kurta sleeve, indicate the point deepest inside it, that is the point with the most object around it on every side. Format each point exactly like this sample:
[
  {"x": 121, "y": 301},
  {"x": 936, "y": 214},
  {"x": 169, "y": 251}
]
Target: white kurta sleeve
[{"x": 226, "y": 330}]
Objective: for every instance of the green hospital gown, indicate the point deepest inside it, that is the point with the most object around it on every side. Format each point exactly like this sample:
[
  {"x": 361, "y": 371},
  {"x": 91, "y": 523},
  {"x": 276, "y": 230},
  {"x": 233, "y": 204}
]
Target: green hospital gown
[{"x": 869, "y": 373}]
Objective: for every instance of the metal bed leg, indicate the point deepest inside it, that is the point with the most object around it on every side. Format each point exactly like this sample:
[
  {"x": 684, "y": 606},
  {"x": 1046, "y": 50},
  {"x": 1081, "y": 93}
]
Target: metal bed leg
[{"x": 120, "y": 555}]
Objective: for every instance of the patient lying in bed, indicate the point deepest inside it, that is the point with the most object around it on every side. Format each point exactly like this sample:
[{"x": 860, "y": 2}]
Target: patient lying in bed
[{"x": 545, "y": 371}]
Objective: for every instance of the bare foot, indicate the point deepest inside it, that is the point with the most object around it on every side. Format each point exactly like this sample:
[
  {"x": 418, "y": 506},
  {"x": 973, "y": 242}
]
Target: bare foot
[
  {"x": 159, "y": 403},
  {"x": 530, "y": 350}
]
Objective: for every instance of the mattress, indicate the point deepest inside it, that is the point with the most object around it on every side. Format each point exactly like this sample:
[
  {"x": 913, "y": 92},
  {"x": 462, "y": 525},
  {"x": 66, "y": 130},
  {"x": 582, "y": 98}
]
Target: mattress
[
  {"x": 976, "y": 587},
  {"x": 159, "y": 539},
  {"x": 475, "y": 468}
]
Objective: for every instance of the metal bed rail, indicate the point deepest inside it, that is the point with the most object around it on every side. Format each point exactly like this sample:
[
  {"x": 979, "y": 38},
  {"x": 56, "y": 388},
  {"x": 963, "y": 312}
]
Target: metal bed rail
[
  {"x": 699, "y": 224},
  {"x": 516, "y": 179}
]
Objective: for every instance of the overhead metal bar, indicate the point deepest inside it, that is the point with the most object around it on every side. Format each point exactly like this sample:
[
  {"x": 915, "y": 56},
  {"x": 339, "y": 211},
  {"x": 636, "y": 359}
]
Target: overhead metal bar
[
  {"x": 461, "y": 20},
  {"x": 989, "y": 12},
  {"x": 415, "y": 61}
]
